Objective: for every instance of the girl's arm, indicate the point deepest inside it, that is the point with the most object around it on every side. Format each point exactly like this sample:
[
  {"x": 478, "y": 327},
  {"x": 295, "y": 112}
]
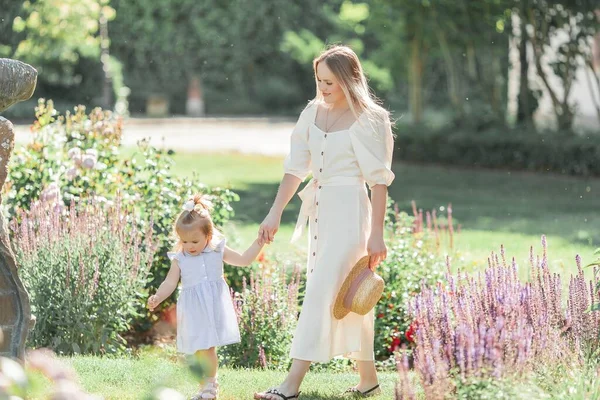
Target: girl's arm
[
  {"x": 376, "y": 246},
  {"x": 232, "y": 257},
  {"x": 167, "y": 287}
]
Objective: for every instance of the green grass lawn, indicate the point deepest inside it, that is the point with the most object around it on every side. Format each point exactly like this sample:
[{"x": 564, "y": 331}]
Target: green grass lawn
[
  {"x": 492, "y": 207},
  {"x": 137, "y": 378}
]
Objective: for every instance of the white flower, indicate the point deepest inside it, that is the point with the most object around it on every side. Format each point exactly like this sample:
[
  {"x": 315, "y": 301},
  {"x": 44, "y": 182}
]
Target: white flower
[
  {"x": 168, "y": 394},
  {"x": 100, "y": 166},
  {"x": 75, "y": 151},
  {"x": 13, "y": 372},
  {"x": 92, "y": 152}
]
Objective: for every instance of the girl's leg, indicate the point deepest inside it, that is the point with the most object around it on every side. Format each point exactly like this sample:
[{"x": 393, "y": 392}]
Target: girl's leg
[
  {"x": 291, "y": 384},
  {"x": 208, "y": 385},
  {"x": 210, "y": 357}
]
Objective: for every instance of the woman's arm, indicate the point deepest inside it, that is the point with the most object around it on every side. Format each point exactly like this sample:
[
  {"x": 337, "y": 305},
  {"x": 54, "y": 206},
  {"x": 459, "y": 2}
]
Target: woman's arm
[
  {"x": 167, "y": 287},
  {"x": 232, "y": 257},
  {"x": 376, "y": 246},
  {"x": 269, "y": 227}
]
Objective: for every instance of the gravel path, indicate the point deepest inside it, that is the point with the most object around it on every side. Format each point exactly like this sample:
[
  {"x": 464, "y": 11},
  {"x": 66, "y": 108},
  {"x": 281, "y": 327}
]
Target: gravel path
[{"x": 267, "y": 136}]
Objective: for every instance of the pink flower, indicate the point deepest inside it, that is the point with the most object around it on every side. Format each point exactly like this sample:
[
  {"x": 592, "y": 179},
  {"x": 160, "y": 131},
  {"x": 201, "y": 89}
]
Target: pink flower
[
  {"x": 71, "y": 173},
  {"x": 89, "y": 161}
]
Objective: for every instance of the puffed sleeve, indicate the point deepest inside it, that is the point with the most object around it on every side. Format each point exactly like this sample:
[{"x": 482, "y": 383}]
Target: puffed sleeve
[
  {"x": 219, "y": 243},
  {"x": 373, "y": 146},
  {"x": 297, "y": 161},
  {"x": 174, "y": 255}
]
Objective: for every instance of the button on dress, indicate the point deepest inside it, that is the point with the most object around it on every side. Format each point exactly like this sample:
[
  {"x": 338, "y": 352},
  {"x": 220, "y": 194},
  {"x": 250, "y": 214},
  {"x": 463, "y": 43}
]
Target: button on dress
[{"x": 336, "y": 206}]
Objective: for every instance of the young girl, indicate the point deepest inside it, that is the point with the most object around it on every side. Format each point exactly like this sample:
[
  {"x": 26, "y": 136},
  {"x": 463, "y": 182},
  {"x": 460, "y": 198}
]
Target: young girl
[{"x": 205, "y": 315}]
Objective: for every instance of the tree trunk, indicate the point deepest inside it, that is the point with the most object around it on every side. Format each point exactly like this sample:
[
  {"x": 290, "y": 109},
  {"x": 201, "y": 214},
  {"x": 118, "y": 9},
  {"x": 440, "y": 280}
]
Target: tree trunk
[
  {"x": 524, "y": 106},
  {"x": 416, "y": 71},
  {"x": 453, "y": 78}
]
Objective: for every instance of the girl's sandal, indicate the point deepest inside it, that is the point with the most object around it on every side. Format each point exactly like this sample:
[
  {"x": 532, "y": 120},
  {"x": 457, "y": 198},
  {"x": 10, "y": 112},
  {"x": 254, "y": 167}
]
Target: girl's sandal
[
  {"x": 281, "y": 395},
  {"x": 209, "y": 391},
  {"x": 374, "y": 391}
]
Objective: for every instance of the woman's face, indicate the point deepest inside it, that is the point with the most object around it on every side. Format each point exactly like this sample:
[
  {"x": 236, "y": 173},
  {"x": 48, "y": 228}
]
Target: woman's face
[{"x": 328, "y": 85}]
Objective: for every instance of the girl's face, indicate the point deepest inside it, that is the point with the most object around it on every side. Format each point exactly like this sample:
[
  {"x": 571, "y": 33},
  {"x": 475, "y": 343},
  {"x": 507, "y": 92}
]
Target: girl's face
[
  {"x": 328, "y": 85},
  {"x": 193, "y": 242}
]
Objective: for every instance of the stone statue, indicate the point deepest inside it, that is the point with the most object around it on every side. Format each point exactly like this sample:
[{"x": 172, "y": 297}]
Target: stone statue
[{"x": 17, "y": 83}]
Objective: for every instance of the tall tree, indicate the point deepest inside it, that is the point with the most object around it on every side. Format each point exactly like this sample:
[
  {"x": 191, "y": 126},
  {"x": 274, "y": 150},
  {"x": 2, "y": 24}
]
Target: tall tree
[
  {"x": 561, "y": 30},
  {"x": 56, "y": 33}
]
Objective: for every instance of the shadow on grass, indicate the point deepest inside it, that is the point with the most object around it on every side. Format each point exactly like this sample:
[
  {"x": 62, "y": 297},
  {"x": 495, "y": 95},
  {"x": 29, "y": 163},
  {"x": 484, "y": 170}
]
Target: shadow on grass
[{"x": 255, "y": 203}]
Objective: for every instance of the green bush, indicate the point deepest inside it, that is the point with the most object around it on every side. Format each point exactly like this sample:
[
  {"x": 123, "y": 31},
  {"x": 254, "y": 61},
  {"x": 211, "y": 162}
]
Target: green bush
[
  {"x": 412, "y": 260},
  {"x": 267, "y": 309},
  {"x": 76, "y": 158},
  {"x": 570, "y": 155},
  {"x": 85, "y": 269}
]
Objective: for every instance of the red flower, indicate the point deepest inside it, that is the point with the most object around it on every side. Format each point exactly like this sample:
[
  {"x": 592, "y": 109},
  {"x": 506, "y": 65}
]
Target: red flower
[
  {"x": 411, "y": 331},
  {"x": 380, "y": 315},
  {"x": 261, "y": 257},
  {"x": 169, "y": 315},
  {"x": 395, "y": 344}
]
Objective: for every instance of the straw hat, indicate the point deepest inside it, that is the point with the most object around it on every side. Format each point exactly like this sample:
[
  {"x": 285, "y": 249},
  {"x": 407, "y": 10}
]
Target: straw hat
[{"x": 360, "y": 291}]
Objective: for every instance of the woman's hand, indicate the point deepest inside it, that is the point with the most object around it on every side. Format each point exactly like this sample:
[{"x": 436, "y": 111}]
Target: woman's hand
[
  {"x": 376, "y": 250},
  {"x": 268, "y": 228}
]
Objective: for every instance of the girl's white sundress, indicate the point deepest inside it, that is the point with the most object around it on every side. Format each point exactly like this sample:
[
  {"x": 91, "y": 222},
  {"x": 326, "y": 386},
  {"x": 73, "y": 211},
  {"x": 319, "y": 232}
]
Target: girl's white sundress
[
  {"x": 205, "y": 314},
  {"x": 336, "y": 204}
]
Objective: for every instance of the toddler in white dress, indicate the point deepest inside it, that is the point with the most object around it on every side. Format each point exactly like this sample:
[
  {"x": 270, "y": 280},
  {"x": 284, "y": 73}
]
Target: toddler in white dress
[{"x": 205, "y": 314}]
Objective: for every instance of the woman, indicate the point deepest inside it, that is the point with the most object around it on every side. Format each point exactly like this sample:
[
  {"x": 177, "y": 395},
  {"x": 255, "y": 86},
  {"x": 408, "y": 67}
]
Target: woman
[{"x": 344, "y": 138}]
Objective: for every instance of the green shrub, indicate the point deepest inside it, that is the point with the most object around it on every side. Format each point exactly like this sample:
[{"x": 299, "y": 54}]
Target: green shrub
[
  {"x": 267, "y": 309},
  {"x": 76, "y": 158},
  {"x": 85, "y": 269},
  {"x": 570, "y": 155}
]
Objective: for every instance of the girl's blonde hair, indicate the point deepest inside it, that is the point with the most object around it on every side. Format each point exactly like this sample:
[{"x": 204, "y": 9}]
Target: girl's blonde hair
[
  {"x": 196, "y": 218},
  {"x": 345, "y": 66}
]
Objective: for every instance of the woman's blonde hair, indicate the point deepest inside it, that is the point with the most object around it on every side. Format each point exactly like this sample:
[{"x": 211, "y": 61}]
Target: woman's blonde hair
[
  {"x": 345, "y": 66},
  {"x": 196, "y": 217}
]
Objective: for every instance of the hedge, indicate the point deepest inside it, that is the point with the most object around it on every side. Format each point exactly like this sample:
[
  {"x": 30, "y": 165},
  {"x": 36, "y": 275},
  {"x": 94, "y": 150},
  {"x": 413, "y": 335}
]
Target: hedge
[{"x": 569, "y": 155}]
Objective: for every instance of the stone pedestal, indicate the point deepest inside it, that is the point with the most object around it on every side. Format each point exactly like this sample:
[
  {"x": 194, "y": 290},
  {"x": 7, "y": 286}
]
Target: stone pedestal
[{"x": 17, "y": 83}]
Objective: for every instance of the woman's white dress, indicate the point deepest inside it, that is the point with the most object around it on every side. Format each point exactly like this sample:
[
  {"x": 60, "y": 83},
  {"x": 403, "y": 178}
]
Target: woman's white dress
[
  {"x": 205, "y": 314},
  {"x": 337, "y": 207}
]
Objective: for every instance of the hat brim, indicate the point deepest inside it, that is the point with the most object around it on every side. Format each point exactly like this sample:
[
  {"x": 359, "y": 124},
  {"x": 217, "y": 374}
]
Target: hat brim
[{"x": 339, "y": 311}]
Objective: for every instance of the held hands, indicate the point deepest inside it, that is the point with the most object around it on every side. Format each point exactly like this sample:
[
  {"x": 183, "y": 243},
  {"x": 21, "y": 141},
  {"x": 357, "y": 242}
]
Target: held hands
[
  {"x": 376, "y": 249},
  {"x": 268, "y": 228},
  {"x": 153, "y": 302}
]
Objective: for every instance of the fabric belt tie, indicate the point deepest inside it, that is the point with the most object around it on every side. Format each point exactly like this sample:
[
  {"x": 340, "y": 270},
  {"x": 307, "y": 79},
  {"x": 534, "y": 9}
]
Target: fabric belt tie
[{"x": 308, "y": 194}]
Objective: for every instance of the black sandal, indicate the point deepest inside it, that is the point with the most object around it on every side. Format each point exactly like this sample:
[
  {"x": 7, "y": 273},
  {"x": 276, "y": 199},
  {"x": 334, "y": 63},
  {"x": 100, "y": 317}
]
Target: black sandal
[
  {"x": 281, "y": 395},
  {"x": 367, "y": 393}
]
